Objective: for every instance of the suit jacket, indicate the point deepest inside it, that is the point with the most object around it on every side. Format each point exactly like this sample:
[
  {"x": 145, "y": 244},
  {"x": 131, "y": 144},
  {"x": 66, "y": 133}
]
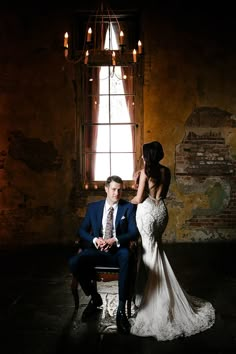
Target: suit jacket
[{"x": 125, "y": 223}]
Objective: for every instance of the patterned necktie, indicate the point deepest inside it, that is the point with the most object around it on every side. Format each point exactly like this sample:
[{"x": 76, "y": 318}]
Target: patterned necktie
[{"x": 109, "y": 224}]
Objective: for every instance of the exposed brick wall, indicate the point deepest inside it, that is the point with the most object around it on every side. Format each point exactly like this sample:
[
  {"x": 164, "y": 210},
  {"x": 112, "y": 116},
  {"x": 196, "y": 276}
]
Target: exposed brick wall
[{"x": 204, "y": 155}]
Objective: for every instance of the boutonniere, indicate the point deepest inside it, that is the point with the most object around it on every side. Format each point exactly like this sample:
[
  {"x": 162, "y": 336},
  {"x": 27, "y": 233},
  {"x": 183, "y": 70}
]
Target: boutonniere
[{"x": 123, "y": 217}]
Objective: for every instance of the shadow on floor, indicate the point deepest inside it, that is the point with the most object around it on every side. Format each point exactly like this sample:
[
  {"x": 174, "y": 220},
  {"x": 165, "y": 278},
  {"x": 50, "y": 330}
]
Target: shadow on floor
[{"x": 37, "y": 312}]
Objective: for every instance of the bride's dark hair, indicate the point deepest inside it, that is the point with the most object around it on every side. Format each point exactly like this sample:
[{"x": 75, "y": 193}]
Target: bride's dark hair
[{"x": 152, "y": 154}]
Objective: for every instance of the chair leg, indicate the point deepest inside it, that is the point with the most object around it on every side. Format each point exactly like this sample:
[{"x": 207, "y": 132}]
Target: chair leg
[{"x": 74, "y": 290}]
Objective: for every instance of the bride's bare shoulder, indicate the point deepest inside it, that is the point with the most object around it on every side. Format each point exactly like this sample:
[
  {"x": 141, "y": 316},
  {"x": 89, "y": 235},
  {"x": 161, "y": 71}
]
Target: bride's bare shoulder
[
  {"x": 164, "y": 169},
  {"x": 166, "y": 174}
]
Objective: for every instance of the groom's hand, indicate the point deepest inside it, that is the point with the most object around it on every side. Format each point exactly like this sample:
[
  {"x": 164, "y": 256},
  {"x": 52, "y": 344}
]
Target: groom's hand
[
  {"x": 105, "y": 245},
  {"x": 100, "y": 242},
  {"x": 109, "y": 243}
]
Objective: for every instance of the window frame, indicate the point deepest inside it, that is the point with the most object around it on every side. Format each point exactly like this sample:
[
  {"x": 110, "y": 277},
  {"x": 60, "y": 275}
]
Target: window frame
[{"x": 80, "y": 117}]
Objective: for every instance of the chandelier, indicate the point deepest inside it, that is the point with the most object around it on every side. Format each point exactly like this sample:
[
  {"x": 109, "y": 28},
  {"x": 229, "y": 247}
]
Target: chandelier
[{"x": 104, "y": 42}]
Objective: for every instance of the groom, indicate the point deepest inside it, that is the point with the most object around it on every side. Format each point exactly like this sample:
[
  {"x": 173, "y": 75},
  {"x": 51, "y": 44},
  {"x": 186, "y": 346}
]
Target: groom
[{"x": 106, "y": 250}]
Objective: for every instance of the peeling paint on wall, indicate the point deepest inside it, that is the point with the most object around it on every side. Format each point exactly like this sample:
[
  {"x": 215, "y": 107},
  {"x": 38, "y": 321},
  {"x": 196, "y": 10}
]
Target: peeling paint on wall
[{"x": 36, "y": 154}]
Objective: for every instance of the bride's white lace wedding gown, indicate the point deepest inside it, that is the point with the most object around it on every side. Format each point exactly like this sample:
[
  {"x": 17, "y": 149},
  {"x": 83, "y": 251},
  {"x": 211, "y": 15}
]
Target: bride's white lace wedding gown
[{"x": 165, "y": 310}]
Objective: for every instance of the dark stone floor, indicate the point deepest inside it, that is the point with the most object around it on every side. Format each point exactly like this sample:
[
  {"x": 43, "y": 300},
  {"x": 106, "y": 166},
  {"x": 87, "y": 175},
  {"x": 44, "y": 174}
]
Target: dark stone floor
[{"x": 37, "y": 311}]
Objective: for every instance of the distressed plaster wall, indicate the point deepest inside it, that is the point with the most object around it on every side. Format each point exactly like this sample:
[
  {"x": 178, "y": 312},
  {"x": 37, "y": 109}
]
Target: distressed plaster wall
[
  {"x": 189, "y": 106},
  {"x": 36, "y": 129},
  {"x": 205, "y": 174}
]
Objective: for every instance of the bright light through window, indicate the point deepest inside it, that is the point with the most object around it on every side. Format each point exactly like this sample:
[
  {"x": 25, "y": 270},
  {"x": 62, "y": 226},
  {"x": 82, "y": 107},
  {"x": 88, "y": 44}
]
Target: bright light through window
[{"x": 114, "y": 148}]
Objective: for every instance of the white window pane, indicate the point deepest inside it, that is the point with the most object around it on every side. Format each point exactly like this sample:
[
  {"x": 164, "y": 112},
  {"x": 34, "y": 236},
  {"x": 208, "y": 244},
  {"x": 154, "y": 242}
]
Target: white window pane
[
  {"x": 103, "y": 115},
  {"x": 121, "y": 138},
  {"x": 119, "y": 110},
  {"x": 104, "y": 78},
  {"x": 122, "y": 165},
  {"x": 116, "y": 82},
  {"x": 103, "y": 139},
  {"x": 102, "y": 167}
]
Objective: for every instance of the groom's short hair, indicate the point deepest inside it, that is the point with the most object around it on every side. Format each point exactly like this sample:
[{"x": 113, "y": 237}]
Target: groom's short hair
[{"x": 113, "y": 178}]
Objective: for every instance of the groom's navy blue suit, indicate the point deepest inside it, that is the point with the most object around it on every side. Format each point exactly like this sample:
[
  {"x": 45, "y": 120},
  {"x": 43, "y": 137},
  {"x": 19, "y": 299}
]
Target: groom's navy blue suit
[{"x": 82, "y": 265}]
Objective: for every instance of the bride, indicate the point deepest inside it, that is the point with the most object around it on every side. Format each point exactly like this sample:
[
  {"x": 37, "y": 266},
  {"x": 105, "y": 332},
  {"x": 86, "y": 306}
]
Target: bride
[{"x": 165, "y": 310}]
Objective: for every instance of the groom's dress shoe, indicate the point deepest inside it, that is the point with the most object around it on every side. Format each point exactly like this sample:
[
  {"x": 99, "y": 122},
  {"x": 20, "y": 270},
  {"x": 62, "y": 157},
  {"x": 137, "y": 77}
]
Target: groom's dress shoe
[
  {"x": 92, "y": 307},
  {"x": 122, "y": 322}
]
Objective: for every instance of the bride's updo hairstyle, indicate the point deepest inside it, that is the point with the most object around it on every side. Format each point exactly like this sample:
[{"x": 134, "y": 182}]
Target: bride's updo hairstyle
[{"x": 152, "y": 154}]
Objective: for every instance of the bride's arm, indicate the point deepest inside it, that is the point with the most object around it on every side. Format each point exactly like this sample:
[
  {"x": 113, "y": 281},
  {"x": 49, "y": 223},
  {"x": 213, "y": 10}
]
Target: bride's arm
[
  {"x": 136, "y": 176},
  {"x": 141, "y": 188}
]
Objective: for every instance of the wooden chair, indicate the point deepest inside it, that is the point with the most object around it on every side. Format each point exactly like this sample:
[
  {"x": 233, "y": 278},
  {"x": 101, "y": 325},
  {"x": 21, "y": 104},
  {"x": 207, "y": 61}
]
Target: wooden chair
[{"x": 107, "y": 274}]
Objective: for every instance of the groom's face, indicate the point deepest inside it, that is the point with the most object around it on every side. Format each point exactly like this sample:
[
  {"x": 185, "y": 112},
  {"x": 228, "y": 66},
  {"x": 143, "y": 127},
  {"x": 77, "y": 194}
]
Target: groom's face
[{"x": 114, "y": 191}]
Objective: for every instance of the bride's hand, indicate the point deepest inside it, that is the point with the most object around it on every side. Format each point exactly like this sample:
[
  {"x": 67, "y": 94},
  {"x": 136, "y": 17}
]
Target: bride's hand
[{"x": 136, "y": 176}]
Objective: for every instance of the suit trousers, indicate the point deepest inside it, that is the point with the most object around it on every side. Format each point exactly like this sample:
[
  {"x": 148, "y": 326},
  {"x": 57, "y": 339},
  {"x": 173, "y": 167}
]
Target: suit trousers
[{"x": 82, "y": 267}]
